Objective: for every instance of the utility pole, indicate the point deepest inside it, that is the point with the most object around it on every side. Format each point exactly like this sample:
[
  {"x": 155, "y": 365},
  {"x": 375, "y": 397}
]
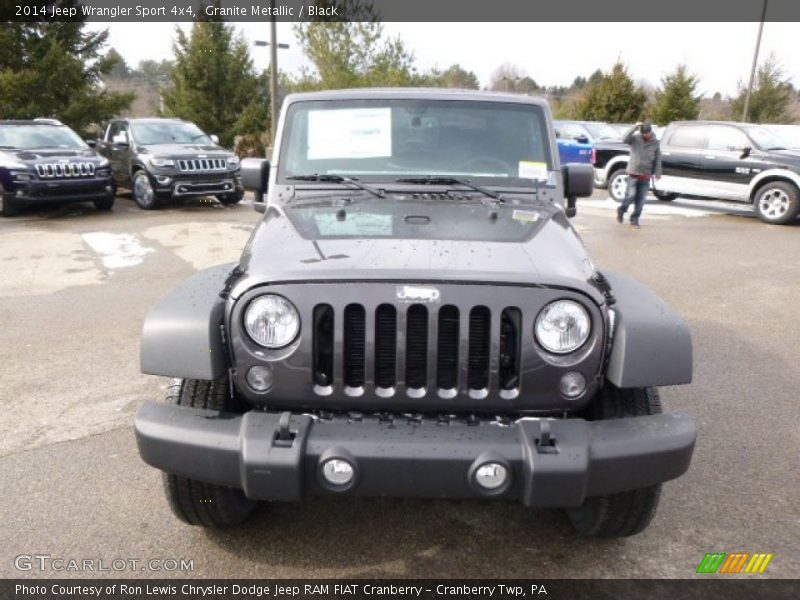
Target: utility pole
[
  {"x": 755, "y": 63},
  {"x": 273, "y": 71}
]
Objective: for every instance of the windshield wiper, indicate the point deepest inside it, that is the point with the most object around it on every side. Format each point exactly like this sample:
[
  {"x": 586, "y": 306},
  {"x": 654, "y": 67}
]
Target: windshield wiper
[
  {"x": 447, "y": 180},
  {"x": 777, "y": 148},
  {"x": 333, "y": 178}
]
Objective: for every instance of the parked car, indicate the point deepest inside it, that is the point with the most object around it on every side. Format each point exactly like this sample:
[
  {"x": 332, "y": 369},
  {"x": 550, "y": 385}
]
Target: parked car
[
  {"x": 574, "y": 150},
  {"x": 415, "y": 316},
  {"x": 159, "y": 159},
  {"x": 732, "y": 161},
  {"x": 45, "y": 162}
]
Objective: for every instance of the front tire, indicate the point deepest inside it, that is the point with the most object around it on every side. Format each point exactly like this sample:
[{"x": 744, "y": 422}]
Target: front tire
[
  {"x": 7, "y": 207},
  {"x": 228, "y": 199},
  {"x": 777, "y": 202},
  {"x": 196, "y": 502},
  {"x": 625, "y": 513},
  {"x": 618, "y": 185},
  {"x": 143, "y": 193},
  {"x": 105, "y": 203}
]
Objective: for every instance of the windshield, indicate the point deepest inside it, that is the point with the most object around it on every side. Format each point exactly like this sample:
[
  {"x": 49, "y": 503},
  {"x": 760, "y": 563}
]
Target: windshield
[
  {"x": 385, "y": 140},
  {"x": 601, "y": 131},
  {"x": 767, "y": 139},
  {"x": 168, "y": 132},
  {"x": 34, "y": 137}
]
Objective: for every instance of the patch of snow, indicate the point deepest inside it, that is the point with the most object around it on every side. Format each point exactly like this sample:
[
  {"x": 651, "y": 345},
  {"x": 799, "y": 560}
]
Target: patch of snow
[{"x": 117, "y": 250}]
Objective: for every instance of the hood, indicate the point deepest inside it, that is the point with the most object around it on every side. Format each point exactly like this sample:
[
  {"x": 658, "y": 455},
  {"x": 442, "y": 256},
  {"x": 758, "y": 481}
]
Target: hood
[
  {"x": 48, "y": 154},
  {"x": 789, "y": 157},
  {"x": 183, "y": 150},
  {"x": 415, "y": 241}
]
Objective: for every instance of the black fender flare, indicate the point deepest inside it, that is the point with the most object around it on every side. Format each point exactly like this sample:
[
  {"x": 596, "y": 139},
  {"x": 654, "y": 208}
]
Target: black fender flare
[
  {"x": 182, "y": 335},
  {"x": 652, "y": 344}
]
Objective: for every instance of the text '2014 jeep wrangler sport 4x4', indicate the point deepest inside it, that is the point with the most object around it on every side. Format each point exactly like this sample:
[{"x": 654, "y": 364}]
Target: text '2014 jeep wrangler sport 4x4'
[{"x": 415, "y": 316}]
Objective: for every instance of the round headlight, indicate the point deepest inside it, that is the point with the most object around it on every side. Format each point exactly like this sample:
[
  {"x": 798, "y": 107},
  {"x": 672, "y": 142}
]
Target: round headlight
[
  {"x": 562, "y": 326},
  {"x": 272, "y": 321}
]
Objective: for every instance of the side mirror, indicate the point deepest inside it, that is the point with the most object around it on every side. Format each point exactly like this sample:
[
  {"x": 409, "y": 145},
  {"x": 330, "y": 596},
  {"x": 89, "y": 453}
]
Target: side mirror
[
  {"x": 578, "y": 183},
  {"x": 746, "y": 152},
  {"x": 255, "y": 176},
  {"x": 214, "y": 138}
]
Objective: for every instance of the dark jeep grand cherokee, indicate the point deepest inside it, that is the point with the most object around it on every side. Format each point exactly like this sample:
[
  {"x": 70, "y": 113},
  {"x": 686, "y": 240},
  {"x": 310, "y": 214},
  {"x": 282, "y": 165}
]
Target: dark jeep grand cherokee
[
  {"x": 158, "y": 159},
  {"x": 43, "y": 161},
  {"x": 415, "y": 316}
]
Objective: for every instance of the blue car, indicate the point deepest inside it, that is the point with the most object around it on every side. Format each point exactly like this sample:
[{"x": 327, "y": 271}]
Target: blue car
[{"x": 573, "y": 149}]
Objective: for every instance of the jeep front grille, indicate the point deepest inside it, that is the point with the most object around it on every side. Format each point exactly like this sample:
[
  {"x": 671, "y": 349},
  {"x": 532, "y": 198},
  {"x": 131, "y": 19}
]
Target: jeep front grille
[
  {"x": 61, "y": 170},
  {"x": 425, "y": 344},
  {"x": 202, "y": 165}
]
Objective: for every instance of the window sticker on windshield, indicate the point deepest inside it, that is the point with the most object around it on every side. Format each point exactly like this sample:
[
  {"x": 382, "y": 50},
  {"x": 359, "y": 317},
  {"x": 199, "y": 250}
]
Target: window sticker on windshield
[
  {"x": 357, "y": 224},
  {"x": 526, "y": 216},
  {"x": 533, "y": 170},
  {"x": 349, "y": 133}
]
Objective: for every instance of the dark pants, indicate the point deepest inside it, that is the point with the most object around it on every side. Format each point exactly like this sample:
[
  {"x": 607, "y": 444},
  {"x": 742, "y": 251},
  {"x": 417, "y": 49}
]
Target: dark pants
[{"x": 636, "y": 194}]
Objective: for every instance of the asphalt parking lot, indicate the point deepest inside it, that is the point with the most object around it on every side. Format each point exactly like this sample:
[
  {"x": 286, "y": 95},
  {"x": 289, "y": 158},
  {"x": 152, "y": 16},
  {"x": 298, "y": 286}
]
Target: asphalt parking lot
[{"x": 75, "y": 285}]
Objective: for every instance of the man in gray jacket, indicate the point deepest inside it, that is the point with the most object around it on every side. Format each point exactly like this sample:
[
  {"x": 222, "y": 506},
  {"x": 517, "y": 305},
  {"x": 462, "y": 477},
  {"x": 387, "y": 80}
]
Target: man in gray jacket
[{"x": 644, "y": 163}]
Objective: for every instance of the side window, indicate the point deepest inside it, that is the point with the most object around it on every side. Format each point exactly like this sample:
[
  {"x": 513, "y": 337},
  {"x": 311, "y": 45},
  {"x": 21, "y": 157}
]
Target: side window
[
  {"x": 728, "y": 139},
  {"x": 688, "y": 136},
  {"x": 570, "y": 131},
  {"x": 113, "y": 129}
]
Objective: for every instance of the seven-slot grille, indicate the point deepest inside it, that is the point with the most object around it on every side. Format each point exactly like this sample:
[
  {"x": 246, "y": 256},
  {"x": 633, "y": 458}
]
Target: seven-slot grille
[
  {"x": 65, "y": 169},
  {"x": 201, "y": 165},
  {"x": 423, "y": 346}
]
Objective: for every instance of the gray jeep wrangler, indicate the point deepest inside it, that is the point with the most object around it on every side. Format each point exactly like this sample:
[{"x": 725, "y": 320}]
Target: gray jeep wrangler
[{"x": 414, "y": 316}]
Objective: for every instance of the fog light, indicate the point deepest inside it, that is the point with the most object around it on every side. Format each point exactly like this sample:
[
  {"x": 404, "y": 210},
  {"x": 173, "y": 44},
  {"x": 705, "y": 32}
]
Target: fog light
[
  {"x": 572, "y": 385},
  {"x": 260, "y": 378},
  {"x": 491, "y": 476},
  {"x": 163, "y": 180},
  {"x": 338, "y": 472}
]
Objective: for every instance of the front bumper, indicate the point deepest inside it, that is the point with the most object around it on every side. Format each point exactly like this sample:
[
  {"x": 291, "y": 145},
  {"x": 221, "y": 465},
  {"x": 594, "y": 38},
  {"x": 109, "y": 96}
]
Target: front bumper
[
  {"x": 413, "y": 457},
  {"x": 36, "y": 192},
  {"x": 184, "y": 186}
]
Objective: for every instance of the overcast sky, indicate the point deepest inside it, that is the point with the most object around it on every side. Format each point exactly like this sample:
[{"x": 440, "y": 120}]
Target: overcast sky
[{"x": 551, "y": 53}]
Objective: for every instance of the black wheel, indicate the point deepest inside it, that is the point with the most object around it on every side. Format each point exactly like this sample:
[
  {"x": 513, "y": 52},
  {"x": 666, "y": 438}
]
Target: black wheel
[
  {"x": 7, "y": 207},
  {"x": 664, "y": 196},
  {"x": 228, "y": 199},
  {"x": 777, "y": 202},
  {"x": 196, "y": 502},
  {"x": 618, "y": 185},
  {"x": 143, "y": 192},
  {"x": 105, "y": 203},
  {"x": 625, "y": 513}
]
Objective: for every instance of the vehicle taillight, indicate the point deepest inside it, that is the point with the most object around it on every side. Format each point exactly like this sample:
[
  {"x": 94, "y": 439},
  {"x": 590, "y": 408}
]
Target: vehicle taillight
[{"x": 594, "y": 155}]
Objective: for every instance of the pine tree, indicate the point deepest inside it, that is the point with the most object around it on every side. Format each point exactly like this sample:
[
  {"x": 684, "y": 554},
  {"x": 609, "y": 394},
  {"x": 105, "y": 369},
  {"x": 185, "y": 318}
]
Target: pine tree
[
  {"x": 213, "y": 82},
  {"x": 772, "y": 96},
  {"x": 353, "y": 52},
  {"x": 675, "y": 100},
  {"x": 55, "y": 69},
  {"x": 612, "y": 97}
]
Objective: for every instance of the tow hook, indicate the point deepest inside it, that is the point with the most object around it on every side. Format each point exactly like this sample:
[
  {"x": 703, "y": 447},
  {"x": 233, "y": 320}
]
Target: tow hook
[{"x": 545, "y": 444}]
